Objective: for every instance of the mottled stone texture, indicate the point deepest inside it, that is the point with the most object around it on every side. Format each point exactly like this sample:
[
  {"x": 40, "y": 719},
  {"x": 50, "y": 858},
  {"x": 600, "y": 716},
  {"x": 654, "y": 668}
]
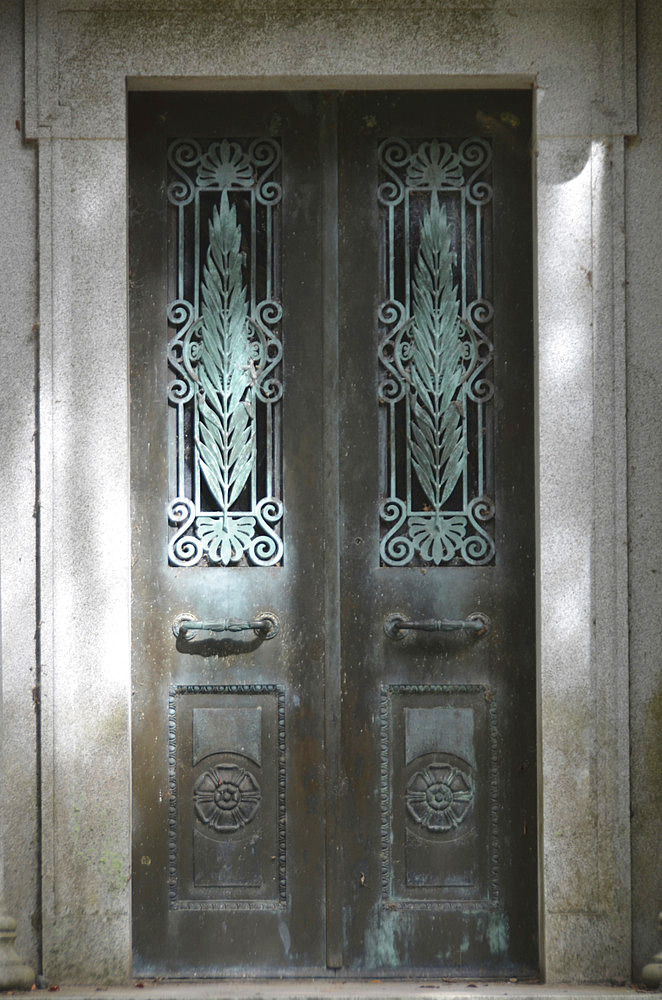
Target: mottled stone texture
[
  {"x": 18, "y": 354},
  {"x": 583, "y": 596},
  {"x": 644, "y": 298},
  {"x": 84, "y": 469}
]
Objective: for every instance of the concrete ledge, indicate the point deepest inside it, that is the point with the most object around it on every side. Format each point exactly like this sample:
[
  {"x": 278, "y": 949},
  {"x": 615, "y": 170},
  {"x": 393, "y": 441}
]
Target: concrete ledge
[{"x": 319, "y": 989}]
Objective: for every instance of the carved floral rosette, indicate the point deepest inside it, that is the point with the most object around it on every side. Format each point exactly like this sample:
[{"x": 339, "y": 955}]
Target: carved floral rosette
[
  {"x": 224, "y": 353},
  {"x": 439, "y": 797},
  {"x": 226, "y": 798},
  {"x": 435, "y": 353}
]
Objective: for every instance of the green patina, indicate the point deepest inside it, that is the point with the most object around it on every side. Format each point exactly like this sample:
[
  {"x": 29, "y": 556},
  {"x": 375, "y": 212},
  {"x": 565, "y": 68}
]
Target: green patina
[{"x": 497, "y": 934}]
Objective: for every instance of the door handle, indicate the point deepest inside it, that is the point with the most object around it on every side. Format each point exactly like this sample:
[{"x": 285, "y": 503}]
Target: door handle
[
  {"x": 265, "y": 625},
  {"x": 396, "y": 625}
]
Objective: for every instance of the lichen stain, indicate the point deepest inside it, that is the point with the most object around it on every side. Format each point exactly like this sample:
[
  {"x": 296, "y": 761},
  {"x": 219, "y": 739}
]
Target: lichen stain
[
  {"x": 115, "y": 726},
  {"x": 115, "y": 870},
  {"x": 108, "y": 733},
  {"x": 568, "y": 728}
]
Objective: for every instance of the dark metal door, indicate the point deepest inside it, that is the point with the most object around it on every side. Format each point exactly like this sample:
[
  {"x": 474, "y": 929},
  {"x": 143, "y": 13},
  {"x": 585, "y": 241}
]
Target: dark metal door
[
  {"x": 332, "y": 453},
  {"x": 438, "y": 730}
]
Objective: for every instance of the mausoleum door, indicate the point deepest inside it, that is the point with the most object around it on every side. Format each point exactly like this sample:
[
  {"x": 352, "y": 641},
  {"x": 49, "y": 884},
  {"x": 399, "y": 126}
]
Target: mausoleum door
[{"x": 333, "y": 614}]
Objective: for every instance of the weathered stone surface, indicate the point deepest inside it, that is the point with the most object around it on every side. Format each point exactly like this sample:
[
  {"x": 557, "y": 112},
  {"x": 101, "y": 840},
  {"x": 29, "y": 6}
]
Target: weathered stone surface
[
  {"x": 86, "y": 684},
  {"x": 584, "y": 682},
  {"x": 644, "y": 366},
  {"x": 318, "y": 989},
  {"x": 18, "y": 353},
  {"x": 336, "y": 44}
]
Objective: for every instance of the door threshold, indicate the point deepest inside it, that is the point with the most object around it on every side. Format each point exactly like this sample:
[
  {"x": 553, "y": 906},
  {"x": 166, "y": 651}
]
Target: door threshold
[{"x": 343, "y": 989}]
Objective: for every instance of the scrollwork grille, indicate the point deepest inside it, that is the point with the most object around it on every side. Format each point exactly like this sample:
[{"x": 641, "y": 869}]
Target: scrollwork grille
[
  {"x": 435, "y": 353},
  {"x": 225, "y": 353}
]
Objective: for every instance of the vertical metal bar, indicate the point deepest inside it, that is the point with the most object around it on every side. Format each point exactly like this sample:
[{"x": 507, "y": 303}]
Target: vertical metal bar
[
  {"x": 479, "y": 295},
  {"x": 408, "y": 452},
  {"x": 391, "y": 445},
  {"x": 407, "y": 254},
  {"x": 180, "y": 252},
  {"x": 465, "y": 400},
  {"x": 275, "y": 271},
  {"x": 256, "y": 403},
  {"x": 481, "y": 447},
  {"x": 464, "y": 251},
  {"x": 195, "y": 477},
  {"x": 196, "y": 262},
  {"x": 277, "y": 463},
  {"x": 253, "y": 476},
  {"x": 332, "y": 694},
  {"x": 465, "y": 435},
  {"x": 479, "y": 256},
  {"x": 407, "y": 279},
  {"x": 194, "y": 451},
  {"x": 270, "y": 257},
  {"x": 179, "y": 433},
  {"x": 180, "y": 450},
  {"x": 253, "y": 251},
  {"x": 391, "y": 230},
  {"x": 390, "y": 458},
  {"x": 269, "y": 445}
]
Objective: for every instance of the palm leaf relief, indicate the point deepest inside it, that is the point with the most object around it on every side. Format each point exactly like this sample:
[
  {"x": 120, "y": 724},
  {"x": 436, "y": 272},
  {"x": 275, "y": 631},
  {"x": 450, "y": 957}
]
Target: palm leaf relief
[
  {"x": 226, "y": 432},
  {"x": 436, "y": 435}
]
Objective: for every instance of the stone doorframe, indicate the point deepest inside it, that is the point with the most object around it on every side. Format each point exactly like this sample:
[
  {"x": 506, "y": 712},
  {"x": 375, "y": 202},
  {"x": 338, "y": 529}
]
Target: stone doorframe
[{"x": 579, "y": 55}]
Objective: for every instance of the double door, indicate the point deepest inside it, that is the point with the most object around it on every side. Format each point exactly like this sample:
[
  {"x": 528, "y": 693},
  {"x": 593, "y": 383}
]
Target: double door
[{"x": 333, "y": 565}]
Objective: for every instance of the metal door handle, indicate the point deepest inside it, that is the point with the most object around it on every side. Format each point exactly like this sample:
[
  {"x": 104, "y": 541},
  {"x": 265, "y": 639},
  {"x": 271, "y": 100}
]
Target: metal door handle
[
  {"x": 265, "y": 625},
  {"x": 395, "y": 625}
]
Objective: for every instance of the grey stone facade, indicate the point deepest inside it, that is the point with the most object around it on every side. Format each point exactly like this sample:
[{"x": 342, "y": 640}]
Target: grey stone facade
[{"x": 65, "y": 822}]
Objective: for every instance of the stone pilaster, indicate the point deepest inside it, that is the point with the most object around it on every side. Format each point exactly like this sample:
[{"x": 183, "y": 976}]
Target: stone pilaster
[
  {"x": 13, "y": 974},
  {"x": 651, "y": 974}
]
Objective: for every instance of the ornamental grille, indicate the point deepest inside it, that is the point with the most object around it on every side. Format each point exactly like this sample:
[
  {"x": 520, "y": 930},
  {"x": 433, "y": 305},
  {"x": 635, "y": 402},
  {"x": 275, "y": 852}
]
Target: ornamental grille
[
  {"x": 225, "y": 353},
  {"x": 435, "y": 353}
]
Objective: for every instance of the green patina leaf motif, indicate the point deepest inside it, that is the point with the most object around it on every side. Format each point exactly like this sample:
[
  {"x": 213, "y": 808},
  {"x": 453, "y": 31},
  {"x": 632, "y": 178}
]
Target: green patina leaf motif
[
  {"x": 436, "y": 537},
  {"x": 225, "y": 538},
  {"x": 226, "y": 434},
  {"x": 437, "y": 450}
]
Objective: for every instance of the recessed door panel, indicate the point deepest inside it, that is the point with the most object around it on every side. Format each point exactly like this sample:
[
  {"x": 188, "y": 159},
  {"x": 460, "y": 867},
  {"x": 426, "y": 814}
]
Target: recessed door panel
[{"x": 331, "y": 384}]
